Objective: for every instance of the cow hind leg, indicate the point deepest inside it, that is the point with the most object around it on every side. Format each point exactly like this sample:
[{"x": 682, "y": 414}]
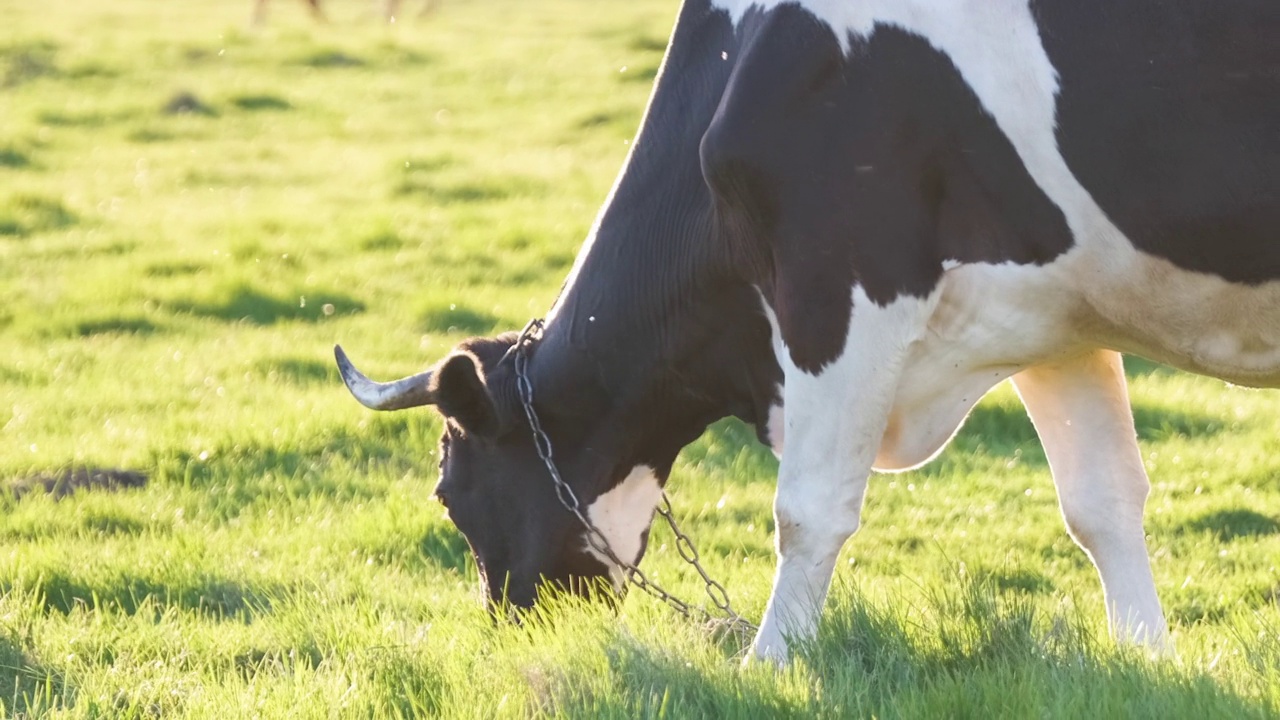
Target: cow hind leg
[
  {"x": 834, "y": 421},
  {"x": 1080, "y": 408}
]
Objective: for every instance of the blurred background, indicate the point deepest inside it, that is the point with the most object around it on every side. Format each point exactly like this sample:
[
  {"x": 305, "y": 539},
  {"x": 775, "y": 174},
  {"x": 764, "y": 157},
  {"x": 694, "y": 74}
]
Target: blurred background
[{"x": 197, "y": 201}]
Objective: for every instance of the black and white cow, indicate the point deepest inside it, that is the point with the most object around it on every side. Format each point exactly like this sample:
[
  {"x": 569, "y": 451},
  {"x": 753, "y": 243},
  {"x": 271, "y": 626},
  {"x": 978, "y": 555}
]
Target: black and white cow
[{"x": 844, "y": 221}]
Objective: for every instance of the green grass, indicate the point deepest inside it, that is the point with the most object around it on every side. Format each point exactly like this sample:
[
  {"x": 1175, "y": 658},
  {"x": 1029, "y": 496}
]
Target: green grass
[{"x": 192, "y": 213}]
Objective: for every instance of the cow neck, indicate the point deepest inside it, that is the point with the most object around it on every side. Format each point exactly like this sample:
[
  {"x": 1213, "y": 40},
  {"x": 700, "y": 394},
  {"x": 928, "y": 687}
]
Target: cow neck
[{"x": 641, "y": 393}]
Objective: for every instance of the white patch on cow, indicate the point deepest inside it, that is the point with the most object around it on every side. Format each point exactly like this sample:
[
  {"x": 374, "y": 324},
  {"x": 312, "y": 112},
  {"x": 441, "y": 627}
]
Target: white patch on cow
[
  {"x": 989, "y": 322},
  {"x": 776, "y": 428},
  {"x": 623, "y": 514},
  {"x": 776, "y": 422},
  {"x": 834, "y": 422}
]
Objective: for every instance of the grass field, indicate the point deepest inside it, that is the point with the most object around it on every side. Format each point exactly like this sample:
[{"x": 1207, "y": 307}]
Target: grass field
[{"x": 191, "y": 215}]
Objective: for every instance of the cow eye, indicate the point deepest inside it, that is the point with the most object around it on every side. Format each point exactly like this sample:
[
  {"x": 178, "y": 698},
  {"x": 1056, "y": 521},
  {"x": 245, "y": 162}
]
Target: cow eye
[{"x": 441, "y": 498}]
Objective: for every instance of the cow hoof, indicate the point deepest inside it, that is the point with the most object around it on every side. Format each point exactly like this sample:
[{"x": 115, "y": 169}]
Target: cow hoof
[
  {"x": 774, "y": 660},
  {"x": 773, "y": 653}
]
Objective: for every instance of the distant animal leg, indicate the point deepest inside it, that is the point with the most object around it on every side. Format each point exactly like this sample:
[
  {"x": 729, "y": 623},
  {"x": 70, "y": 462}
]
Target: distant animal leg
[
  {"x": 834, "y": 423},
  {"x": 1081, "y": 411},
  {"x": 259, "y": 13},
  {"x": 316, "y": 11}
]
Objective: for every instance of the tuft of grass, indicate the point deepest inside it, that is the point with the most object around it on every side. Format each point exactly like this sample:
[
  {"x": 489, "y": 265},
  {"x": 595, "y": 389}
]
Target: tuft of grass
[
  {"x": 185, "y": 102},
  {"x": 13, "y": 158},
  {"x": 260, "y": 102},
  {"x": 26, "y": 214}
]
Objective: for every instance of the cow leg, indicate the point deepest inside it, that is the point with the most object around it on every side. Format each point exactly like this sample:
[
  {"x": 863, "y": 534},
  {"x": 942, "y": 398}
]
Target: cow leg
[
  {"x": 1081, "y": 411},
  {"x": 834, "y": 422}
]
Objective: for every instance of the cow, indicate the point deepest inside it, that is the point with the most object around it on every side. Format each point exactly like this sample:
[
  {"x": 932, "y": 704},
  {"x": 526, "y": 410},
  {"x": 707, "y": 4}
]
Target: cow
[{"x": 843, "y": 222}]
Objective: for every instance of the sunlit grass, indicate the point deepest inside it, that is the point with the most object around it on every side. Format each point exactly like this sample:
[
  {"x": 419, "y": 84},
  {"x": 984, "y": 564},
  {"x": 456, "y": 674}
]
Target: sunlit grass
[{"x": 193, "y": 212}]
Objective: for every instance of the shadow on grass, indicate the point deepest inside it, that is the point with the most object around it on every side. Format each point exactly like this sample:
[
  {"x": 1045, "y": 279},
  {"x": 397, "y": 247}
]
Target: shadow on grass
[
  {"x": 85, "y": 119},
  {"x": 185, "y": 102},
  {"x": 424, "y": 181},
  {"x": 380, "y": 239},
  {"x": 1014, "y": 579},
  {"x": 25, "y": 214},
  {"x": 450, "y": 318},
  {"x": 730, "y": 449},
  {"x": 28, "y": 688},
  {"x": 440, "y": 547},
  {"x": 24, "y": 62},
  {"x": 121, "y": 325},
  {"x": 334, "y": 466},
  {"x": 277, "y": 661},
  {"x": 123, "y": 592},
  {"x": 303, "y": 372},
  {"x": 61, "y": 483},
  {"x": 244, "y": 303},
  {"x": 645, "y": 74},
  {"x": 329, "y": 58},
  {"x": 24, "y": 376},
  {"x": 657, "y": 683},
  {"x": 445, "y": 548},
  {"x": 175, "y": 268},
  {"x": 257, "y": 103},
  {"x": 620, "y": 119},
  {"x": 1000, "y": 431},
  {"x": 976, "y": 651},
  {"x": 14, "y": 159},
  {"x": 90, "y": 525},
  {"x": 1135, "y": 366},
  {"x": 1227, "y": 525}
]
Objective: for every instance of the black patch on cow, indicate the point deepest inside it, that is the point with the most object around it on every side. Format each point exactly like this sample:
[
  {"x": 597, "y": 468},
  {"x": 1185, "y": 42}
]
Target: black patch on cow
[
  {"x": 462, "y": 396},
  {"x": 871, "y": 168},
  {"x": 1169, "y": 115}
]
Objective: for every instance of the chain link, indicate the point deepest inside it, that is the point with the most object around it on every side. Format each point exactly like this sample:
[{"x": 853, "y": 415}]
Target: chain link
[{"x": 595, "y": 538}]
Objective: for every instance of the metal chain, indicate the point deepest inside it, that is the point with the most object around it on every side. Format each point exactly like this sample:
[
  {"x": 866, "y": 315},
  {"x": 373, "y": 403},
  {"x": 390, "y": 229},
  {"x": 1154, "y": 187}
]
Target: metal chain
[{"x": 595, "y": 538}]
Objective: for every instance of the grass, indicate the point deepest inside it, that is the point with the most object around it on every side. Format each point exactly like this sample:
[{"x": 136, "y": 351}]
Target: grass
[{"x": 192, "y": 213}]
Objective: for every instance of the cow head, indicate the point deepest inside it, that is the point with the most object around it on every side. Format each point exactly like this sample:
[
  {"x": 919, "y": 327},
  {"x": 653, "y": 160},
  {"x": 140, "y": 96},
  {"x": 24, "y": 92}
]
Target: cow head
[
  {"x": 681, "y": 342},
  {"x": 500, "y": 494}
]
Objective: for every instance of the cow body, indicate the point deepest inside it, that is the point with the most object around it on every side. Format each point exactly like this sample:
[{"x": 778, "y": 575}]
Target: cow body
[{"x": 845, "y": 221}]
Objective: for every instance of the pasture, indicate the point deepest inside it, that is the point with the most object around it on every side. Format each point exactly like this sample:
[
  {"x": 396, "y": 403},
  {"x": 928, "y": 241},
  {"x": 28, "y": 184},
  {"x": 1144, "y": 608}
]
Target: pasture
[{"x": 193, "y": 212}]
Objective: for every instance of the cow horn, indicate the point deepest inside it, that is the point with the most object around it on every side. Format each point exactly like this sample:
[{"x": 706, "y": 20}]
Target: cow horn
[{"x": 413, "y": 391}]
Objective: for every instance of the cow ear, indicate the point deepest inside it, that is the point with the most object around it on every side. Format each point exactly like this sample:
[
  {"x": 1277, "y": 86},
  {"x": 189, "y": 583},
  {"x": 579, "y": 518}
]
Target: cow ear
[{"x": 461, "y": 394}]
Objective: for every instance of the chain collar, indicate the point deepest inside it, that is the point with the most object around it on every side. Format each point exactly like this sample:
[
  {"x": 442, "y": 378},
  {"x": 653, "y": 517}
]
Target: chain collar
[{"x": 595, "y": 538}]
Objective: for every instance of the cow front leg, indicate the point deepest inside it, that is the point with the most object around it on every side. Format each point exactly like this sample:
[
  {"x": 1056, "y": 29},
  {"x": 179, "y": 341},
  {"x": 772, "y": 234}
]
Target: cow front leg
[
  {"x": 1081, "y": 411},
  {"x": 834, "y": 421}
]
